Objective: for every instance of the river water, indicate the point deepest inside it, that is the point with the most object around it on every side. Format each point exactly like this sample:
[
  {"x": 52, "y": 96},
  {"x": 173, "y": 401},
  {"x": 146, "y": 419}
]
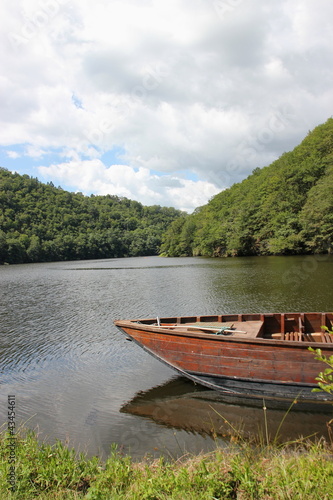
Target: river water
[{"x": 76, "y": 378}]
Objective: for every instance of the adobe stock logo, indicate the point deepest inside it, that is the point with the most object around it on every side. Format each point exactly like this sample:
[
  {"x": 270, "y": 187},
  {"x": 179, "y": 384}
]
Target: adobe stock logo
[
  {"x": 299, "y": 273},
  {"x": 35, "y": 22},
  {"x": 225, "y": 7},
  {"x": 251, "y": 147},
  {"x": 100, "y": 134}
]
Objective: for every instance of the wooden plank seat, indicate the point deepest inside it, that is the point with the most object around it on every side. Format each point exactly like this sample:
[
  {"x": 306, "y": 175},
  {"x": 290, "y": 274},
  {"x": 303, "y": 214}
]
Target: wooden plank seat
[
  {"x": 295, "y": 336},
  {"x": 323, "y": 337},
  {"x": 326, "y": 337},
  {"x": 243, "y": 329}
]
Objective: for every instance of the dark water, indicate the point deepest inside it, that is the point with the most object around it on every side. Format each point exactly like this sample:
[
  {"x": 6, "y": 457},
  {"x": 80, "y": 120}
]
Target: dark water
[{"x": 76, "y": 378}]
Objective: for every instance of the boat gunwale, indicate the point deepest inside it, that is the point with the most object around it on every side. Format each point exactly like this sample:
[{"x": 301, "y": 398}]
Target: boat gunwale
[{"x": 139, "y": 324}]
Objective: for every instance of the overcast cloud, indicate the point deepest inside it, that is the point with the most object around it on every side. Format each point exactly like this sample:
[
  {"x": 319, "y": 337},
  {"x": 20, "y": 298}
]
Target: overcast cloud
[{"x": 165, "y": 102}]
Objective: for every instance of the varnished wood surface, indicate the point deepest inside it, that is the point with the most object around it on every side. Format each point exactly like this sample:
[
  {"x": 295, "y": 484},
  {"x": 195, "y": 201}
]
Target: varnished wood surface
[{"x": 272, "y": 348}]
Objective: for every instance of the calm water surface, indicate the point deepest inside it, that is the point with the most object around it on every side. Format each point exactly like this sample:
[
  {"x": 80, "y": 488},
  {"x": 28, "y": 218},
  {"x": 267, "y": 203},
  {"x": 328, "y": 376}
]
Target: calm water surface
[{"x": 77, "y": 379}]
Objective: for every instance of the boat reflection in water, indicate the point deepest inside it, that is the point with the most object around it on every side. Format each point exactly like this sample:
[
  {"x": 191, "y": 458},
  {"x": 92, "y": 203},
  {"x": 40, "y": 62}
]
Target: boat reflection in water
[{"x": 181, "y": 404}]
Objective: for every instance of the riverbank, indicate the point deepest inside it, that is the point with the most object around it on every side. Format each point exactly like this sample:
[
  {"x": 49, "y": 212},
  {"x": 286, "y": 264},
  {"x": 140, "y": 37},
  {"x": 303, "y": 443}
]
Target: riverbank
[{"x": 242, "y": 471}]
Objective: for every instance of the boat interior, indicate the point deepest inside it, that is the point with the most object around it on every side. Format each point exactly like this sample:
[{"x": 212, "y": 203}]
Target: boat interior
[{"x": 297, "y": 327}]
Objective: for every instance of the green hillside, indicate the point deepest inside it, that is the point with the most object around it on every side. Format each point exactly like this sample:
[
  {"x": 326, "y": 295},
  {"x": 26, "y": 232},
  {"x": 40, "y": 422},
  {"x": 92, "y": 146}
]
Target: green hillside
[
  {"x": 285, "y": 208},
  {"x": 39, "y": 222}
]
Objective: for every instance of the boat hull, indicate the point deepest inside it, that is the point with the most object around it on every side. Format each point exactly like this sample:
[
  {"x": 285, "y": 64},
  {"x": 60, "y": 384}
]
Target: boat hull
[{"x": 243, "y": 365}]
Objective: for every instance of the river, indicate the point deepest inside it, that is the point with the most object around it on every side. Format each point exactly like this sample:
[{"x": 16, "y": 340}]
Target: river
[{"x": 76, "y": 378}]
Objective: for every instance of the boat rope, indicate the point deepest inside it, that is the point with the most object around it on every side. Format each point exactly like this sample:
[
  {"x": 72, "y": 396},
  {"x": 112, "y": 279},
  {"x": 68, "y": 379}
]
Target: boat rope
[{"x": 224, "y": 330}]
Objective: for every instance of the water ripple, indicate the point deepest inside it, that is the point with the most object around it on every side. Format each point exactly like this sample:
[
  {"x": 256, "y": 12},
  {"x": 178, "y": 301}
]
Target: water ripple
[{"x": 68, "y": 364}]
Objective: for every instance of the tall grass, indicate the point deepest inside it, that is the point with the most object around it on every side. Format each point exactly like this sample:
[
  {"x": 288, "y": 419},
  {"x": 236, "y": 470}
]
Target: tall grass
[{"x": 242, "y": 471}]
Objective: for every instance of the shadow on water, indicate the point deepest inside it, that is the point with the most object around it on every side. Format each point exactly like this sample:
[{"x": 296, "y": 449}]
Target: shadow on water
[{"x": 181, "y": 404}]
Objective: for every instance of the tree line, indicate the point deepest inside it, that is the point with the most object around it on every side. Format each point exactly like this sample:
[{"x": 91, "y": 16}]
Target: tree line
[
  {"x": 39, "y": 222},
  {"x": 284, "y": 208}
]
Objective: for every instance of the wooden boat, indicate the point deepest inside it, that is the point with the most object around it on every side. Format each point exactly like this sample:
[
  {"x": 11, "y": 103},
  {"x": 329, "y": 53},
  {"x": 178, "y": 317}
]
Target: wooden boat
[{"x": 245, "y": 355}]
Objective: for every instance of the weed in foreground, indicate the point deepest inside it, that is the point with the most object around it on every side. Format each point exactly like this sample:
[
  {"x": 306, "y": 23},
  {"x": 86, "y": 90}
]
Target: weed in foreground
[{"x": 243, "y": 471}]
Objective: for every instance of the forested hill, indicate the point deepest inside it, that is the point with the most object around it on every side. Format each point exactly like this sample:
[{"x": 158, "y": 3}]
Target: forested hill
[
  {"x": 285, "y": 208},
  {"x": 39, "y": 222}
]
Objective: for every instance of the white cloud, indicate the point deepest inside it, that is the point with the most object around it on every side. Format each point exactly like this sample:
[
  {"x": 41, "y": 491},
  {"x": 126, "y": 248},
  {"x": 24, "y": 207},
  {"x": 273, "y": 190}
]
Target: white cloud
[
  {"x": 92, "y": 176},
  {"x": 13, "y": 154},
  {"x": 215, "y": 88}
]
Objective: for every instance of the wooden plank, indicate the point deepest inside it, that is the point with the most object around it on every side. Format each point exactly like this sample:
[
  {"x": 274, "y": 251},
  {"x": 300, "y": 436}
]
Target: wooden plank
[
  {"x": 225, "y": 344},
  {"x": 274, "y": 371},
  {"x": 323, "y": 319},
  {"x": 301, "y": 323},
  {"x": 230, "y": 356},
  {"x": 283, "y": 326},
  {"x": 237, "y": 329}
]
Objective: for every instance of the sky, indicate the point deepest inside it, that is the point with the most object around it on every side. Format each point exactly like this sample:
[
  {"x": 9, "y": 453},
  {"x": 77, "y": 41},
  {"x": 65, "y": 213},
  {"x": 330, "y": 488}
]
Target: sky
[{"x": 163, "y": 102}]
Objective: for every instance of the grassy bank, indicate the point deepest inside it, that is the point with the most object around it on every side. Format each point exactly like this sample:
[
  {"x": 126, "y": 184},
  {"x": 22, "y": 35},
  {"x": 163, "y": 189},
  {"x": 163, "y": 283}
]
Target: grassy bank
[{"x": 243, "y": 472}]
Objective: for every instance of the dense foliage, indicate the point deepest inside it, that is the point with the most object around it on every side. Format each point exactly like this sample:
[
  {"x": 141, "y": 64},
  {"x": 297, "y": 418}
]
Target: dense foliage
[
  {"x": 39, "y": 222},
  {"x": 325, "y": 378},
  {"x": 285, "y": 208}
]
